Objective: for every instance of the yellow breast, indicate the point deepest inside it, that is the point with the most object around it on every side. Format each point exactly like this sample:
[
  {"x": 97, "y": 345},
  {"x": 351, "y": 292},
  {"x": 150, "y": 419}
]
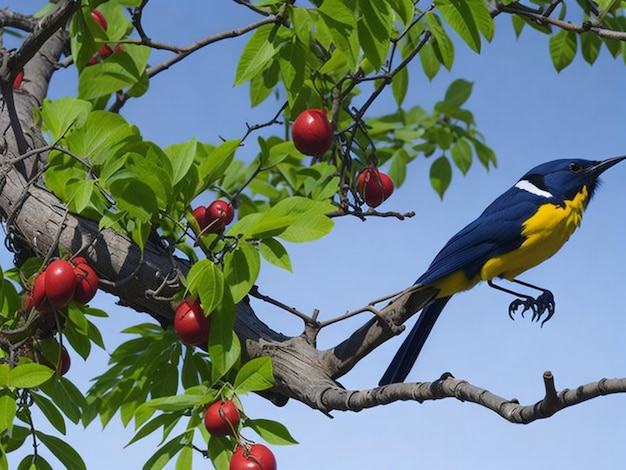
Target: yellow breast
[{"x": 544, "y": 234}]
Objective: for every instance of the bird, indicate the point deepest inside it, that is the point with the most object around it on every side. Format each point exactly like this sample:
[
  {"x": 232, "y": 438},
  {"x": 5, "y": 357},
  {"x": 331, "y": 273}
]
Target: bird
[{"x": 522, "y": 228}]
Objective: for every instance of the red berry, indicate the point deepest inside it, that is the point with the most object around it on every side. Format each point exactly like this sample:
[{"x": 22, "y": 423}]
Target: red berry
[
  {"x": 252, "y": 457},
  {"x": 199, "y": 213},
  {"x": 65, "y": 361},
  {"x": 374, "y": 186},
  {"x": 119, "y": 49},
  {"x": 40, "y": 301},
  {"x": 92, "y": 61},
  {"x": 191, "y": 324},
  {"x": 222, "y": 418},
  {"x": 312, "y": 132},
  {"x": 100, "y": 19},
  {"x": 105, "y": 51},
  {"x": 86, "y": 281},
  {"x": 218, "y": 215},
  {"x": 17, "y": 82},
  {"x": 60, "y": 283}
]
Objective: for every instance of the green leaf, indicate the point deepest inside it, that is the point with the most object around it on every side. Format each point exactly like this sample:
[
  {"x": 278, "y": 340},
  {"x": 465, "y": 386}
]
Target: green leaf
[
  {"x": 278, "y": 153},
  {"x": 429, "y": 61},
  {"x": 29, "y": 375},
  {"x": 206, "y": 280},
  {"x": 241, "y": 269},
  {"x": 484, "y": 153},
  {"x": 461, "y": 153},
  {"x": 374, "y": 30},
  {"x": 260, "y": 51},
  {"x": 563, "y": 45},
  {"x": 458, "y": 93},
  {"x": 295, "y": 219},
  {"x": 400, "y": 85},
  {"x": 181, "y": 157},
  {"x": 397, "y": 170},
  {"x": 213, "y": 164},
  {"x": 442, "y": 45},
  {"x": 118, "y": 71},
  {"x": 103, "y": 137},
  {"x": 175, "y": 402},
  {"x": 469, "y": 18},
  {"x": 62, "y": 451},
  {"x": 51, "y": 412},
  {"x": 590, "y": 45},
  {"x": 165, "y": 453},
  {"x": 440, "y": 175},
  {"x": 163, "y": 420},
  {"x": 404, "y": 9},
  {"x": 185, "y": 458},
  {"x": 220, "y": 450},
  {"x": 60, "y": 115},
  {"x": 337, "y": 32},
  {"x": 254, "y": 376},
  {"x": 275, "y": 253},
  {"x": 271, "y": 431},
  {"x": 67, "y": 397},
  {"x": 224, "y": 346},
  {"x": 8, "y": 407},
  {"x": 292, "y": 66}
]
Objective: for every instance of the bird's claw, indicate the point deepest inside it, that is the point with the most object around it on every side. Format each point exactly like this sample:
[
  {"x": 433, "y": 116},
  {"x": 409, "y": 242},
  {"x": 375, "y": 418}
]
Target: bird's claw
[{"x": 544, "y": 303}]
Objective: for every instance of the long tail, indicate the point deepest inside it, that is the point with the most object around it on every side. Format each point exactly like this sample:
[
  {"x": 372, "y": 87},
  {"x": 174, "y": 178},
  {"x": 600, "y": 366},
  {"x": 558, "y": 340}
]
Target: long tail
[{"x": 409, "y": 350}]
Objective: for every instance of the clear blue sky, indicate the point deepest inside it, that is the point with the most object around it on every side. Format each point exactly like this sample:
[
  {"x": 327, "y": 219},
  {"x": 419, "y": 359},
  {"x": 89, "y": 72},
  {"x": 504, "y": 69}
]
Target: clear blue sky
[{"x": 529, "y": 114}]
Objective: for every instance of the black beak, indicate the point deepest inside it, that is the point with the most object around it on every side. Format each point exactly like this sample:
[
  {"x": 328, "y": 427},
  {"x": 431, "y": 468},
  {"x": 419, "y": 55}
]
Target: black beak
[{"x": 600, "y": 167}]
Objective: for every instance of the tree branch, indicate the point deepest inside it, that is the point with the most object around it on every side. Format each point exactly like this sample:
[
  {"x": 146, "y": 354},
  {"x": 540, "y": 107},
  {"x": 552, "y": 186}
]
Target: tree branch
[{"x": 449, "y": 387}]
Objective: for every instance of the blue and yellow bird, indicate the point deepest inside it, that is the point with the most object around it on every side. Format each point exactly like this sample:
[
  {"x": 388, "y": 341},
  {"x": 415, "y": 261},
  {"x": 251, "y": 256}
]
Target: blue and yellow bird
[{"x": 519, "y": 230}]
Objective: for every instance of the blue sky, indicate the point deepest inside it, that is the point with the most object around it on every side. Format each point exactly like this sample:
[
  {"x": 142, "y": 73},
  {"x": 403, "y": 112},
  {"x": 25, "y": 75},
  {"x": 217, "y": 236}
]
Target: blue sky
[{"x": 529, "y": 114}]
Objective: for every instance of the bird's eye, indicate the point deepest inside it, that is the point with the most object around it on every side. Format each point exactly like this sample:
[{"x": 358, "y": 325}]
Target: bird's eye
[{"x": 574, "y": 167}]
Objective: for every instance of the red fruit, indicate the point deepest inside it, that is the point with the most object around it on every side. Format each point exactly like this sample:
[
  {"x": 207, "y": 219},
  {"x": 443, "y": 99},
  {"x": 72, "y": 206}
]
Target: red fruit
[
  {"x": 17, "y": 82},
  {"x": 92, "y": 61},
  {"x": 222, "y": 418},
  {"x": 60, "y": 283},
  {"x": 218, "y": 215},
  {"x": 86, "y": 281},
  {"x": 39, "y": 298},
  {"x": 312, "y": 132},
  {"x": 65, "y": 362},
  {"x": 374, "y": 186},
  {"x": 199, "y": 213},
  {"x": 119, "y": 48},
  {"x": 191, "y": 324},
  {"x": 105, "y": 51},
  {"x": 100, "y": 19},
  {"x": 252, "y": 457}
]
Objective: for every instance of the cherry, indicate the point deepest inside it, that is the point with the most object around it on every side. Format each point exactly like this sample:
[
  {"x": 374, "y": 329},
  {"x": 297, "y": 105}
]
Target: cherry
[
  {"x": 65, "y": 362},
  {"x": 100, "y": 19},
  {"x": 252, "y": 457},
  {"x": 312, "y": 132},
  {"x": 222, "y": 418},
  {"x": 191, "y": 324},
  {"x": 86, "y": 281},
  {"x": 105, "y": 51},
  {"x": 60, "y": 283},
  {"x": 374, "y": 186},
  {"x": 38, "y": 294},
  {"x": 218, "y": 215},
  {"x": 199, "y": 213}
]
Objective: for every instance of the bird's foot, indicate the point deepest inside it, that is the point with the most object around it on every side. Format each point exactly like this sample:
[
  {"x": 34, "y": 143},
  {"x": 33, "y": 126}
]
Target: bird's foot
[{"x": 544, "y": 303}]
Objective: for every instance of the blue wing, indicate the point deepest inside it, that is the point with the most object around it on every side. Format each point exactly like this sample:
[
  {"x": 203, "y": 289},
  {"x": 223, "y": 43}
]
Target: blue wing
[{"x": 496, "y": 231}]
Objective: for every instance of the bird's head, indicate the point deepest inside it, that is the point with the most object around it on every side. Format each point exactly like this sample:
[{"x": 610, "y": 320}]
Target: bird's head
[{"x": 564, "y": 179}]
